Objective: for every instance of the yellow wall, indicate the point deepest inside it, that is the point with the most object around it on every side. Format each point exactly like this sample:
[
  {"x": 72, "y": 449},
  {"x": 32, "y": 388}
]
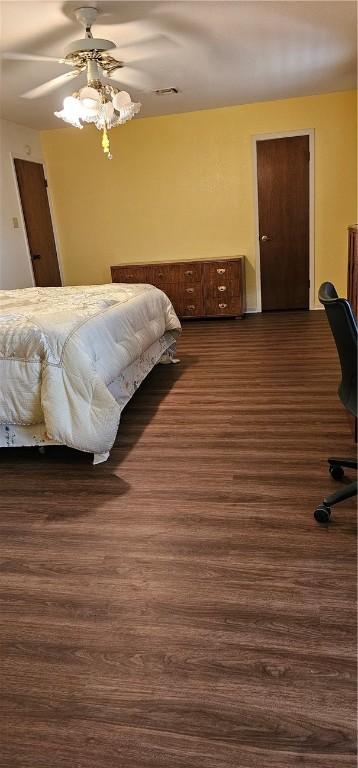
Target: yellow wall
[{"x": 181, "y": 187}]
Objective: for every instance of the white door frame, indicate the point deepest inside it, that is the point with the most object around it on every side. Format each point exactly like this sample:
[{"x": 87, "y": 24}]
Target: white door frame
[{"x": 286, "y": 134}]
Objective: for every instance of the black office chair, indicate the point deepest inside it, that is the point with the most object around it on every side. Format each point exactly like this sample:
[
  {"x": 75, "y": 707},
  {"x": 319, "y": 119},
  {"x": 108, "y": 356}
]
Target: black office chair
[{"x": 344, "y": 329}]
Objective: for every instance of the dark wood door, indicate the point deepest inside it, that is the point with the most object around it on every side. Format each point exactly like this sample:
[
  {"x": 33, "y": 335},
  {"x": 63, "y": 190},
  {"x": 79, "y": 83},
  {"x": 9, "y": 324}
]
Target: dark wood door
[
  {"x": 283, "y": 198},
  {"x": 33, "y": 193}
]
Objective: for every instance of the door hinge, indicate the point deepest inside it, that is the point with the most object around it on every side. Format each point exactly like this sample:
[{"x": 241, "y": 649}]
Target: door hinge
[{"x": 46, "y": 184}]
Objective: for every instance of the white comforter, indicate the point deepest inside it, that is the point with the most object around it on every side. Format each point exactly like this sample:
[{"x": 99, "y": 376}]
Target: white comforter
[{"x": 60, "y": 348}]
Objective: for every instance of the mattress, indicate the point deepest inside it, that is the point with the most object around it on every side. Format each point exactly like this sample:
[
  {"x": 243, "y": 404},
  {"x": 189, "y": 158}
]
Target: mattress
[{"x": 63, "y": 352}]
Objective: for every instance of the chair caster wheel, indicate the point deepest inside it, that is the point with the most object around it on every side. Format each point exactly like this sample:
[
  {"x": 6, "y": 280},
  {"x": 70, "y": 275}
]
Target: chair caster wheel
[
  {"x": 322, "y": 514},
  {"x": 336, "y": 471}
]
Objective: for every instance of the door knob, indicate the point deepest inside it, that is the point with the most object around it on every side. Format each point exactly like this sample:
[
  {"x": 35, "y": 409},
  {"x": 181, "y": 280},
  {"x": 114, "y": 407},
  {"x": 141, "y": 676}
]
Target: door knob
[
  {"x": 35, "y": 256},
  {"x": 265, "y": 238}
]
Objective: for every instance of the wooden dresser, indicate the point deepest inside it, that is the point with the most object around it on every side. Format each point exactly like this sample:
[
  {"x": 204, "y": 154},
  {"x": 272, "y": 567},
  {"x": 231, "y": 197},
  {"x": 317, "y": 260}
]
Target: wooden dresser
[
  {"x": 352, "y": 289},
  {"x": 195, "y": 288}
]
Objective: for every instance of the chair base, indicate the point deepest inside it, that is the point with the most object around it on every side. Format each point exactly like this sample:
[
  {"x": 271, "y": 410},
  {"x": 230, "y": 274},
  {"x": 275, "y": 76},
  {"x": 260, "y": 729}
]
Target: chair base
[
  {"x": 350, "y": 463},
  {"x": 323, "y": 513}
]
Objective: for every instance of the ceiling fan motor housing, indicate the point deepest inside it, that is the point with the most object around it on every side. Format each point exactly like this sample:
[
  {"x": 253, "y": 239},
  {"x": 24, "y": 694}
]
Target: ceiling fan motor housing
[
  {"x": 80, "y": 52},
  {"x": 89, "y": 45}
]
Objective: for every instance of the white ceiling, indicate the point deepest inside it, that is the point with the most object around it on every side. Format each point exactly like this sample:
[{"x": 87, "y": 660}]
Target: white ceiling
[{"x": 217, "y": 53}]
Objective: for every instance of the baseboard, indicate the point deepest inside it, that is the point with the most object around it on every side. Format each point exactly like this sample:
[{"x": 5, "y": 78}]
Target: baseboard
[{"x": 253, "y": 310}]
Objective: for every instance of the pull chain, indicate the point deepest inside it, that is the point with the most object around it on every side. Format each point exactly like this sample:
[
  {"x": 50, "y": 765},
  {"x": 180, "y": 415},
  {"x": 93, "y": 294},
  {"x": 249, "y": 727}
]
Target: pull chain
[{"x": 105, "y": 144}]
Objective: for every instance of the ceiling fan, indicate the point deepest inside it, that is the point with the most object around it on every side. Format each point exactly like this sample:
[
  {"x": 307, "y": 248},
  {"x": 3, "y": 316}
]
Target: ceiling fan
[
  {"x": 98, "y": 102},
  {"x": 89, "y": 54}
]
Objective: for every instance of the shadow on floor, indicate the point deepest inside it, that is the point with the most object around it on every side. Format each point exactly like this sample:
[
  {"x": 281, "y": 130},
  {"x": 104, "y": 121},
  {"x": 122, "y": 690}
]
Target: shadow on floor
[{"x": 25, "y": 472}]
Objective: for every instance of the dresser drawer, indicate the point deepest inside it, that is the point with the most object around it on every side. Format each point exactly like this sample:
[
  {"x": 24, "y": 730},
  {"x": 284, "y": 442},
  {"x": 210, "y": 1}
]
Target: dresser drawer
[
  {"x": 223, "y": 306},
  {"x": 222, "y": 279},
  {"x": 165, "y": 274},
  {"x": 189, "y": 292},
  {"x": 135, "y": 274},
  {"x": 221, "y": 270},
  {"x": 183, "y": 295},
  {"x": 190, "y": 273},
  {"x": 222, "y": 290},
  {"x": 189, "y": 307}
]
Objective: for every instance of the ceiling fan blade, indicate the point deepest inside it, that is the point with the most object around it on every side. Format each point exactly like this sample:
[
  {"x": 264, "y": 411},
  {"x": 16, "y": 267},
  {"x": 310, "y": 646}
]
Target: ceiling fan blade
[
  {"x": 158, "y": 45},
  {"x": 128, "y": 76},
  {"x": 51, "y": 85},
  {"x": 8, "y": 55}
]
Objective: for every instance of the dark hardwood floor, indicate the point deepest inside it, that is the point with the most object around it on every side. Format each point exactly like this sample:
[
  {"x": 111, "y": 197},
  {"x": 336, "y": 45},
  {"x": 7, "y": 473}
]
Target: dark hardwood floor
[{"x": 178, "y": 606}]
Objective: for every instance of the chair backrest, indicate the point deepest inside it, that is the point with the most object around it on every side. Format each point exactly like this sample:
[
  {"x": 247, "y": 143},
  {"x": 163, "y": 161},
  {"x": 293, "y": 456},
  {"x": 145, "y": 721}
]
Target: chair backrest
[{"x": 344, "y": 329}]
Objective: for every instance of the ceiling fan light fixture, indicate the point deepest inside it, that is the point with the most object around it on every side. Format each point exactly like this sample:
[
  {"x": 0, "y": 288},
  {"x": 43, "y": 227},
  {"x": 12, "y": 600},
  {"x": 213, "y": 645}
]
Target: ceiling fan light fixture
[
  {"x": 71, "y": 106},
  {"x": 89, "y": 97},
  {"x": 97, "y": 102},
  {"x": 128, "y": 111},
  {"x": 70, "y": 112},
  {"x": 102, "y": 105},
  {"x": 121, "y": 99}
]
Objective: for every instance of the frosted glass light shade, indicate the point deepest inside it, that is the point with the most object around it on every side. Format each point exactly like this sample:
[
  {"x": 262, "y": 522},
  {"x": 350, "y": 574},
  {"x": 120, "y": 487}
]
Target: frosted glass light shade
[
  {"x": 70, "y": 112},
  {"x": 71, "y": 106},
  {"x": 121, "y": 99},
  {"x": 89, "y": 114},
  {"x": 89, "y": 97},
  {"x": 129, "y": 110}
]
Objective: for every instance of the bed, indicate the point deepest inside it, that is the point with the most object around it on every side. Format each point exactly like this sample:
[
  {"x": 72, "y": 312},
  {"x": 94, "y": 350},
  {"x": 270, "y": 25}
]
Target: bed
[{"x": 71, "y": 358}]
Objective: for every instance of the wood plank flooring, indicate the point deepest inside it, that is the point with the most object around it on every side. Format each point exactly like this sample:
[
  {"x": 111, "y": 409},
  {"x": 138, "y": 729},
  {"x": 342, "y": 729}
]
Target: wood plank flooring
[{"x": 179, "y": 607}]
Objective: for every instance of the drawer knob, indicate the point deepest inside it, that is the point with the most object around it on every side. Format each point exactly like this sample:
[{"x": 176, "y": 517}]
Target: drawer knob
[
  {"x": 189, "y": 272},
  {"x": 221, "y": 288},
  {"x": 191, "y": 306},
  {"x": 189, "y": 290},
  {"x": 160, "y": 274},
  {"x": 221, "y": 271},
  {"x": 222, "y": 306}
]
